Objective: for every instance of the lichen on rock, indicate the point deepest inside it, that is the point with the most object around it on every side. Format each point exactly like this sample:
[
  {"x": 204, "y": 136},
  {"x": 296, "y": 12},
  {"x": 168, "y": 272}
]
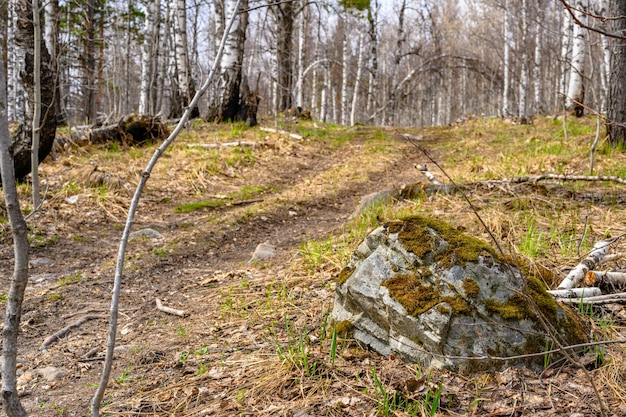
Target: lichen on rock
[{"x": 430, "y": 294}]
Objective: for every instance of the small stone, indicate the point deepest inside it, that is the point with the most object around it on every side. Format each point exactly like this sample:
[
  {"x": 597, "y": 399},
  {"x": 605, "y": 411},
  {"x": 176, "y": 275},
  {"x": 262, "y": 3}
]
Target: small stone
[
  {"x": 40, "y": 262},
  {"x": 292, "y": 213},
  {"x": 73, "y": 199},
  {"x": 263, "y": 252},
  {"x": 42, "y": 278},
  {"x": 50, "y": 373},
  {"x": 151, "y": 233}
]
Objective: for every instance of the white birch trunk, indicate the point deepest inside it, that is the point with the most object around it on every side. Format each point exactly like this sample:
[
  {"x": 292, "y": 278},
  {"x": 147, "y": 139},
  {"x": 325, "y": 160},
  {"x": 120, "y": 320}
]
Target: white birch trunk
[
  {"x": 357, "y": 81},
  {"x": 606, "y": 60},
  {"x": 506, "y": 63},
  {"x": 15, "y": 88},
  {"x": 299, "y": 93},
  {"x": 576, "y": 275},
  {"x": 523, "y": 85},
  {"x": 34, "y": 151},
  {"x": 344, "y": 72},
  {"x": 575, "y": 88},
  {"x": 538, "y": 82},
  {"x": 149, "y": 57},
  {"x": 566, "y": 49},
  {"x": 373, "y": 93},
  {"x": 185, "y": 82}
]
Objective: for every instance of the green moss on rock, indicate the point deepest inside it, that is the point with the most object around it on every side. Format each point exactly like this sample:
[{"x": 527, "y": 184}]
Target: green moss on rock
[
  {"x": 415, "y": 235},
  {"x": 519, "y": 306},
  {"x": 344, "y": 275},
  {"x": 471, "y": 288},
  {"x": 417, "y": 298}
]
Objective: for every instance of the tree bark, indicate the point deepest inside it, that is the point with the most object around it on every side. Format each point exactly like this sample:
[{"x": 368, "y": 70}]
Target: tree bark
[
  {"x": 507, "y": 60},
  {"x": 231, "y": 99},
  {"x": 22, "y": 138},
  {"x": 147, "y": 95},
  {"x": 616, "y": 107},
  {"x": 51, "y": 37},
  {"x": 284, "y": 19},
  {"x": 186, "y": 85},
  {"x": 11, "y": 403},
  {"x": 575, "y": 90}
]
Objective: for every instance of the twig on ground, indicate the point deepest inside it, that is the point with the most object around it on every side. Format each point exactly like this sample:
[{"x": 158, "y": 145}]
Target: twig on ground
[
  {"x": 170, "y": 310},
  {"x": 282, "y": 132},
  {"x": 58, "y": 335}
]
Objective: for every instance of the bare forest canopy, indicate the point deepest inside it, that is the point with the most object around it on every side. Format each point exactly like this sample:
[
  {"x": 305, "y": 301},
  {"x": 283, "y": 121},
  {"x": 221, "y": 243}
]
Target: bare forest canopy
[{"x": 348, "y": 62}]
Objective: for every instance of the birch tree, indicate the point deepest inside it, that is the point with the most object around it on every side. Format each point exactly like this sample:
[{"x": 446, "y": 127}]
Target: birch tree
[
  {"x": 186, "y": 85},
  {"x": 284, "y": 15},
  {"x": 15, "y": 89},
  {"x": 149, "y": 58},
  {"x": 523, "y": 85},
  {"x": 22, "y": 138},
  {"x": 575, "y": 89},
  {"x": 51, "y": 36},
  {"x": 506, "y": 60},
  {"x": 616, "y": 111},
  {"x": 231, "y": 99}
]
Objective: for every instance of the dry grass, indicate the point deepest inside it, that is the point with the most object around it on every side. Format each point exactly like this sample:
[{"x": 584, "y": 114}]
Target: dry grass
[{"x": 259, "y": 340}]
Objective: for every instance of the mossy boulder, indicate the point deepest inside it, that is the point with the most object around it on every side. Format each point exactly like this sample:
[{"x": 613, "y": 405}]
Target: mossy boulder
[{"x": 427, "y": 293}]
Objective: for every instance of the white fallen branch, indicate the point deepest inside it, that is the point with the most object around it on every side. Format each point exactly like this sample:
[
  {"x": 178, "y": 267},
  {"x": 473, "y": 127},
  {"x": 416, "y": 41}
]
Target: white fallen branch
[
  {"x": 605, "y": 277},
  {"x": 221, "y": 145},
  {"x": 429, "y": 175},
  {"x": 576, "y": 292},
  {"x": 613, "y": 257},
  {"x": 282, "y": 132},
  {"x": 58, "y": 335},
  {"x": 576, "y": 275},
  {"x": 619, "y": 298},
  {"x": 170, "y": 310}
]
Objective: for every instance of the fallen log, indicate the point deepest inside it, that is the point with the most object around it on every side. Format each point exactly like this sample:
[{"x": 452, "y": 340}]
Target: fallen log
[
  {"x": 618, "y": 298},
  {"x": 130, "y": 130},
  {"x": 605, "y": 277},
  {"x": 576, "y": 292},
  {"x": 577, "y": 274}
]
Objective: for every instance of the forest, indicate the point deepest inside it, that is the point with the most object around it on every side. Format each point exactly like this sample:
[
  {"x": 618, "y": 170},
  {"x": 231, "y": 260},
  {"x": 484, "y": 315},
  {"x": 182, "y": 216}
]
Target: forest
[
  {"x": 187, "y": 186},
  {"x": 420, "y": 63}
]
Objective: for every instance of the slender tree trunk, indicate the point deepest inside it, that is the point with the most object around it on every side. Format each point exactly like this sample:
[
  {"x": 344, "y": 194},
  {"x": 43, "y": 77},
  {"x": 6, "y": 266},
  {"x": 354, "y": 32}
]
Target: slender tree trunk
[
  {"x": 11, "y": 402},
  {"x": 344, "y": 71},
  {"x": 373, "y": 93},
  {"x": 232, "y": 99},
  {"x": 149, "y": 58},
  {"x": 15, "y": 88},
  {"x": 284, "y": 19},
  {"x": 357, "y": 81},
  {"x": 51, "y": 36},
  {"x": 37, "y": 102},
  {"x": 301, "y": 42},
  {"x": 185, "y": 81},
  {"x": 606, "y": 60},
  {"x": 89, "y": 65},
  {"x": 616, "y": 111},
  {"x": 523, "y": 85},
  {"x": 537, "y": 80},
  {"x": 507, "y": 60},
  {"x": 575, "y": 90}
]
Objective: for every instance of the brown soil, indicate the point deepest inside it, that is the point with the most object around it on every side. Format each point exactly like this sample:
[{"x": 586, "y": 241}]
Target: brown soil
[{"x": 237, "y": 350}]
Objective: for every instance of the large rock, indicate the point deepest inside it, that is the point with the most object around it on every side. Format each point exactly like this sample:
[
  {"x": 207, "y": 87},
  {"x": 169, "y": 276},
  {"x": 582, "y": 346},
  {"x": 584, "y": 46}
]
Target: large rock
[{"x": 423, "y": 291}]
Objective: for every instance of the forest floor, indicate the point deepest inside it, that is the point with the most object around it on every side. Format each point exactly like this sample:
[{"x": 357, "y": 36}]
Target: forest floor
[{"x": 256, "y": 337}]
